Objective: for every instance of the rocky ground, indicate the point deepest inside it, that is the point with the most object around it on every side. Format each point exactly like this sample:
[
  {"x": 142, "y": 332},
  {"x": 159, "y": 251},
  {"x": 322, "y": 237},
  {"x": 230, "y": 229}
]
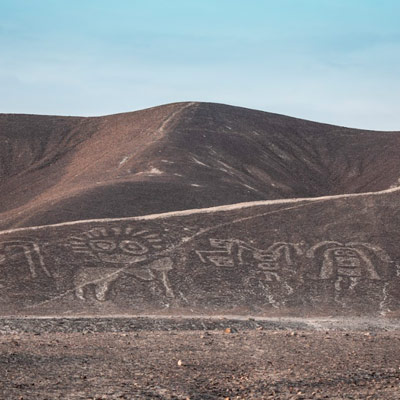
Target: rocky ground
[
  {"x": 115, "y": 216},
  {"x": 223, "y": 363}
]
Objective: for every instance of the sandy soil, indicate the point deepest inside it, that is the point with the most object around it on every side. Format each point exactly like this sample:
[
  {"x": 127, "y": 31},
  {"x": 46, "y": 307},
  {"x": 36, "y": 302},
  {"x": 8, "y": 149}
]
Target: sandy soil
[{"x": 242, "y": 364}]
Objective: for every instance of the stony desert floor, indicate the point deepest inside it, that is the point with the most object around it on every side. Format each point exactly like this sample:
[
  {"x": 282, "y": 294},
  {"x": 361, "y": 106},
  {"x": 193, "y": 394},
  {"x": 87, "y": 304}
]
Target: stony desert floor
[{"x": 201, "y": 364}]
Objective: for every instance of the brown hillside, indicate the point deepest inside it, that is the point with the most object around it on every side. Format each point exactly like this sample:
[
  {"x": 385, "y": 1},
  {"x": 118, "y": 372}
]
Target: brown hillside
[{"x": 179, "y": 156}]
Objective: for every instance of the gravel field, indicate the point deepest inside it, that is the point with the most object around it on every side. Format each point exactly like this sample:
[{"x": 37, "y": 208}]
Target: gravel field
[{"x": 235, "y": 362}]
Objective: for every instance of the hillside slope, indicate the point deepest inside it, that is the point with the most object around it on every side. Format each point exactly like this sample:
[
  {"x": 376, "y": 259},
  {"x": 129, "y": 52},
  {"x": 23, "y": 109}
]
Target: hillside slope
[
  {"x": 176, "y": 157},
  {"x": 321, "y": 257}
]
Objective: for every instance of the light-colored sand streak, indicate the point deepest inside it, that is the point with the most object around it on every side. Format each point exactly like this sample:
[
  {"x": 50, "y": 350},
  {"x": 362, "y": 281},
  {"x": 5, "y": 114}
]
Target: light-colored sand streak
[
  {"x": 229, "y": 207},
  {"x": 161, "y": 129}
]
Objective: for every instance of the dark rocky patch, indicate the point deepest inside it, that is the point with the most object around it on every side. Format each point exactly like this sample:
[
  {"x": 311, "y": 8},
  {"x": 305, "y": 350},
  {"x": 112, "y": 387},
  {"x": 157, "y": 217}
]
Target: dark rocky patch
[{"x": 193, "y": 365}]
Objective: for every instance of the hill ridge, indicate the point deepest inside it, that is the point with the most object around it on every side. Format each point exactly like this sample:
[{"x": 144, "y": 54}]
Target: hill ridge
[
  {"x": 179, "y": 156},
  {"x": 193, "y": 102}
]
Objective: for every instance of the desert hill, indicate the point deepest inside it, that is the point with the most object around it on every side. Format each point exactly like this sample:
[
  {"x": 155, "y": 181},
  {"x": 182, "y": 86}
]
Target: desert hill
[
  {"x": 177, "y": 157},
  {"x": 197, "y": 208}
]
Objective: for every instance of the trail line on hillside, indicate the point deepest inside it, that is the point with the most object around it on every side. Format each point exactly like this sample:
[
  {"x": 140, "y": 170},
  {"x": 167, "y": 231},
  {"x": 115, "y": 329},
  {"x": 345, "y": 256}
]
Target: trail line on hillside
[
  {"x": 173, "y": 115},
  {"x": 207, "y": 210}
]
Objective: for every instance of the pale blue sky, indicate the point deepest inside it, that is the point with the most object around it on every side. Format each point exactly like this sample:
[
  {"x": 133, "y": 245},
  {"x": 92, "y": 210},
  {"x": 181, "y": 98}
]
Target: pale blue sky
[{"x": 335, "y": 61}]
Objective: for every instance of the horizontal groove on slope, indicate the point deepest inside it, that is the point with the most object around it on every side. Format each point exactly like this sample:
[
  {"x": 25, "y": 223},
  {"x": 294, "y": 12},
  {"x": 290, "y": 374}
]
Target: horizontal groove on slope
[{"x": 230, "y": 207}]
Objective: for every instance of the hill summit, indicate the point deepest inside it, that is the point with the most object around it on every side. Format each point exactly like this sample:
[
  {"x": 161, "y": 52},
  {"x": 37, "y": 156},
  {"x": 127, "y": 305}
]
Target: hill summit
[{"x": 177, "y": 157}]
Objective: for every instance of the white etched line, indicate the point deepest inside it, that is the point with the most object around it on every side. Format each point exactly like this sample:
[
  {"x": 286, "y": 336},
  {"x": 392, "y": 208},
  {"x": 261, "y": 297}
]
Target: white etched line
[
  {"x": 139, "y": 233},
  {"x": 230, "y": 207}
]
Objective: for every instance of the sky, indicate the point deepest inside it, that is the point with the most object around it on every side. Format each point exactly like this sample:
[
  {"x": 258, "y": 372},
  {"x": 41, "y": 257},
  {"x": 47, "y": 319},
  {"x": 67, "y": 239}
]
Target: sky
[{"x": 333, "y": 61}]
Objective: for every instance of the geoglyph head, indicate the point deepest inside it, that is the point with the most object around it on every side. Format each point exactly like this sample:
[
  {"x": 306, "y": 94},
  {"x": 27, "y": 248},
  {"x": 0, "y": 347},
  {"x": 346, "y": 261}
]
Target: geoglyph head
[{"x": 116, "y": 245}]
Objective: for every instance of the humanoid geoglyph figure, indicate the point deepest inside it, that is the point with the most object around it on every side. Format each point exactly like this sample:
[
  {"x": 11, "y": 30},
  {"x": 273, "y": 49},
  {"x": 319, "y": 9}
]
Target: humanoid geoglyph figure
[
  {"x": 114, "y": 252},
  {"x": 27, "y": 251},
  {"x": 229, "y": 253},
  {"x": 347, "y": 263}
]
